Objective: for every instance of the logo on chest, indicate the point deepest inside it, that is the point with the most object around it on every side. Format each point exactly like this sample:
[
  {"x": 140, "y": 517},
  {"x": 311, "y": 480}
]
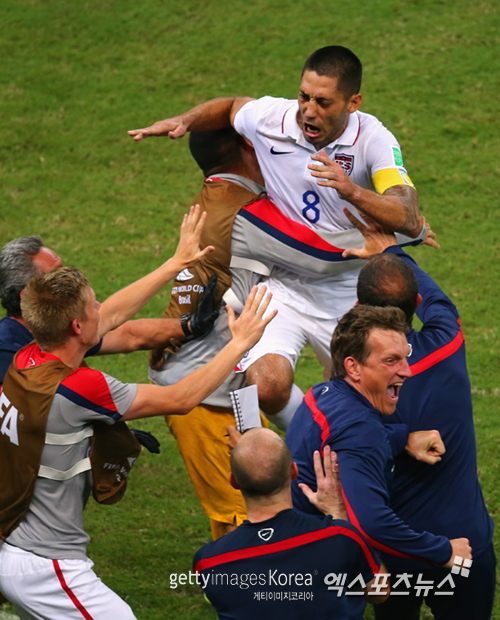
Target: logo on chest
[
  {"x": 346, "y": 161},
  {"x": 266, "y": 534}
]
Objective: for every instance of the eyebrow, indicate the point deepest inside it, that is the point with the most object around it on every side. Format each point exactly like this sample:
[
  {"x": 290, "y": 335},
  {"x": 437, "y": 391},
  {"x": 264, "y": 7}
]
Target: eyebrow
[{"x": 319, "y": 100}]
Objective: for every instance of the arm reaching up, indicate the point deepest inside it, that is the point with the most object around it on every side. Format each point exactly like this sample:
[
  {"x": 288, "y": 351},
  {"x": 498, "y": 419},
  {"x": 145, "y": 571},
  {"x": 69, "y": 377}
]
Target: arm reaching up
[{"x": 124, "y": 304}]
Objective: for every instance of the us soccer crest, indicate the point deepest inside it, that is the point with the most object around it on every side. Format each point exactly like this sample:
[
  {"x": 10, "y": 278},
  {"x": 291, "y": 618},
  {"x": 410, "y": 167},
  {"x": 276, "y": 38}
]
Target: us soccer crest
[{"x": 346, "y": 161}]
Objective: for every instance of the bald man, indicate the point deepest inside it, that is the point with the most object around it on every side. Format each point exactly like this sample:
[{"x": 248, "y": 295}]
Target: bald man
[{"x": 278, "y": 556}]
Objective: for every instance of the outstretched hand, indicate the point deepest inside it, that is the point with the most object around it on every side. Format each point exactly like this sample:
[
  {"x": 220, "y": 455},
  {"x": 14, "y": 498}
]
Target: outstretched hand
[
  {"x": 171, "y": 127},
  {"x": 251, "y": 323},
  {"x": 328, "y": 497},
  {"x": 430, "y": 236},
  {"x": 377, "y": 238},
  {"x": 188, "y": 251}
]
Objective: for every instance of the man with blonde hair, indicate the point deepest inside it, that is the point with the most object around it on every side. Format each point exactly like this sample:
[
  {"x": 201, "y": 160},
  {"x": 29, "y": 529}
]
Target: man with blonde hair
[{"x": 51, "y": 405}]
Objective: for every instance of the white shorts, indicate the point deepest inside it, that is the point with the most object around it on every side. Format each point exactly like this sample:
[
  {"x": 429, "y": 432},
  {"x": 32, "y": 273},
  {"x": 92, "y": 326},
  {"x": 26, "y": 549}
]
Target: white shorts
[
  {"x": 43, "y": 589},
  {"x": 291, "y": 329}
]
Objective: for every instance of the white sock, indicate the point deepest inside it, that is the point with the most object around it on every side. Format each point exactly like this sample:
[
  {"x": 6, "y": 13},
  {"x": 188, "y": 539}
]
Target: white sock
[{"x": 283, "y": 418}]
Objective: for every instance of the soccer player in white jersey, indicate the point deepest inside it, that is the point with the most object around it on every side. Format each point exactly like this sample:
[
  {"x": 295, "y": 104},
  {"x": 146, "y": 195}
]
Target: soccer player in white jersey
[{"x": 318, "y": 156}]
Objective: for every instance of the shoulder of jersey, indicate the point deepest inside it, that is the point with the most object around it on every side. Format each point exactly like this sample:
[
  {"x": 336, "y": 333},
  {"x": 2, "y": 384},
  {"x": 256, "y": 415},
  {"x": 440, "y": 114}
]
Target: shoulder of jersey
[
  {"x": 273, "y": 109},
  {"x": 370, "y": 125},
  {"x": 88, "y": 388}
]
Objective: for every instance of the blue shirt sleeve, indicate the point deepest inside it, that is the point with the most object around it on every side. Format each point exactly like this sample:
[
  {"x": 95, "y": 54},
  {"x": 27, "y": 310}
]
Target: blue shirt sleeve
[
  {"x": 397, "y": 435},
  {"x": 362, "y": 469}
]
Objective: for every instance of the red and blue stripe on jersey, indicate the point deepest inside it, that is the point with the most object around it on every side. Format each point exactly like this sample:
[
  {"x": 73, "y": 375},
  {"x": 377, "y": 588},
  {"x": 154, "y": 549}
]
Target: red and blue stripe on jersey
[
  {"x": 267, "y": 217},
  {"x": 84, "y": 387}
]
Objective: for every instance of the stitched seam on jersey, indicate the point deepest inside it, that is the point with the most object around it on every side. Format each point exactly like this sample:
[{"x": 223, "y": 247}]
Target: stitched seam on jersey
[
  {"x": 319, "y": 418},
  {"x": 81, "y": 401},
  {"x": 439, "y": 355},
  {"x": 354, "y": 521},
  {"x": 359, "y": 129},
  {"x": 283, "y": 120},
  {"x": 285, "y": 545},
  {"x": 70, "y": 592}
]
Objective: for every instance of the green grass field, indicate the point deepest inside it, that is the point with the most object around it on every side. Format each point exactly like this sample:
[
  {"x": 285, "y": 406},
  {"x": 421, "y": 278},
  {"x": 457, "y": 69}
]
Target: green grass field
[{"x": 76, "y": 76}]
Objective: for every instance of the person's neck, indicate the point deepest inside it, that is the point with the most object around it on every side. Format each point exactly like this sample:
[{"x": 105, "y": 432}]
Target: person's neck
[
  {"x": 241, "y": 170},
  {"x": 71, "y": 353},
  {"x": 263, "y": 508},
  {"x": 19, "y": 319}
]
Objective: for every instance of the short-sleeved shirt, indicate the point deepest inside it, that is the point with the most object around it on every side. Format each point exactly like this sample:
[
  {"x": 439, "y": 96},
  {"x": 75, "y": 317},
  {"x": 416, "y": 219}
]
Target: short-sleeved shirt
[
  {"x": 53, "y": 525},
  {"x": 282, "y": 568},
  {"x": 368, "y": 152},
  {"x": 13, "y": 337}
]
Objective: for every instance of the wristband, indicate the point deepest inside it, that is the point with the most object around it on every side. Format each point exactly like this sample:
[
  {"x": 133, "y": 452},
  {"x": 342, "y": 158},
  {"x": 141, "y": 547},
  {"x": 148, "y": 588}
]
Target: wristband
[{"x": 185, "y": 327}]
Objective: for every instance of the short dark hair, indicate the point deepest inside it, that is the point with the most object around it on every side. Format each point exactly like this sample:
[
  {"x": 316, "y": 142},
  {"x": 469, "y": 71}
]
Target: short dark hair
[
  {"x": 339, "y": 62},
  {"x": 50, "y": 303},
  {"x": 387, "y": 280},
  {"x": 16, "y": 270},
  {"x": 267, "y": 474},
  {"x": 217, "y": 150},
  {"x": 350, "y": 338}
]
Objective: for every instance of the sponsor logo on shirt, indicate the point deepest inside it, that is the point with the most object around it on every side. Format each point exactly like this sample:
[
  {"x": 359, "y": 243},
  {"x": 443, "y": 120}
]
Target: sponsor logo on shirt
[
  {"x": 275, "y": 152},
  {"x": 398, "y": 156},
  {"x": 266, "y": 534},
  {"x": 346, "y": 161},
  {"x": 184, "y": 275},
  {"x": 184, "y": 299}
]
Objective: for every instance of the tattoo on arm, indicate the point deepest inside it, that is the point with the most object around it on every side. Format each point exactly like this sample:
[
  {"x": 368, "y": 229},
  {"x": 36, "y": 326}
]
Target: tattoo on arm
[{"x": 412, "y": 219}]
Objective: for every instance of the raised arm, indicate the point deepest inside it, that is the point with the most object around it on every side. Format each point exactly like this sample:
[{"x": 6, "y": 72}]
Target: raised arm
[
  {"x": 213, "y": 114},
  {"x": 152, "y": 400},
  {"x": 124, "y": 304},
  {"x": 377, "y": 238},
  {"x": 141, "y": 335},
  {"x": 147, "y": 334}
]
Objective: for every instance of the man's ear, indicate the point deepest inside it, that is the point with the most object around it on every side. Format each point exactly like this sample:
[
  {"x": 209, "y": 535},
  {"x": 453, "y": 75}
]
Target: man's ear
[
  {"x": 419, "y": 300},
  {"x": 232, "y": 481},
  {"x": 295, "y": 470},
  {"x": 76, "y": 326},
  {"x": 354, "y": 103},
  {"x": 351, "y": 366}
]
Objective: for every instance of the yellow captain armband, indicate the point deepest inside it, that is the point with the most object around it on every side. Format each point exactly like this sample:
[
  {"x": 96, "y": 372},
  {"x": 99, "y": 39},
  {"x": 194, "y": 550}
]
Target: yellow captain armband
[{"x": 389, "y": 177}]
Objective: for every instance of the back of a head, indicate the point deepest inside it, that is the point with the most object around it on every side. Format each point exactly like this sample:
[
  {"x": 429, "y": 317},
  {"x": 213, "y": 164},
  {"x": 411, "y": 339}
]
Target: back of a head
[
  {"x": 350, "y": 338},
  {"x": 217, "y": 150},
  {"x": 337, "y": 62},
  {"x": 50, "y": 303},
  {"x": 16, "y": 270},
  {"x": 261, "y": 463},
  {"x": 386, "y": 280}
]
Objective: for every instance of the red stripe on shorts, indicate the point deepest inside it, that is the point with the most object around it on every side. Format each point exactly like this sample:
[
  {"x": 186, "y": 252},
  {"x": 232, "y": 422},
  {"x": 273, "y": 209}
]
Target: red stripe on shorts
[{"x": 70, "y": 592}]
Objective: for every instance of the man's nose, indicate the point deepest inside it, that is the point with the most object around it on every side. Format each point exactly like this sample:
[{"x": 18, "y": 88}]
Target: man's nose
[{"x": 405, "y": 370}]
